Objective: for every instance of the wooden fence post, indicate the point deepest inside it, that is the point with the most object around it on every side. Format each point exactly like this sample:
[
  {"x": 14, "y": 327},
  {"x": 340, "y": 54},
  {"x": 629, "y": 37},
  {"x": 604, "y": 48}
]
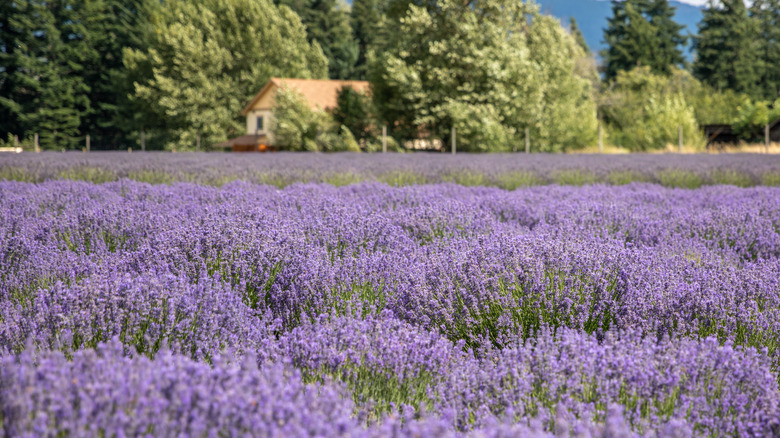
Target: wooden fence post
[
  {"x": 454, "y": 141},
  {"x": 766, "y": 137},
  {"x": 88, "y": 143},
  {"x": 37, "y": 146},
  {"x": 527, "y": 141},
  {"x": 384, "y": 139}
]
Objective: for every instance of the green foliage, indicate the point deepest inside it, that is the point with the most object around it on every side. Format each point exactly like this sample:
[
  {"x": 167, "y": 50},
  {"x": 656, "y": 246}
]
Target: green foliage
[
  {"x": 574, "y": 177},
  {"x": 575, "y": 31},
  {"x": 642, "y": 33},
  {"x": 678, "y": 178},
  {"x": 328, "y": 23},
  {"x": 369, "y": 28},
  {"x": 726, "y": 48},
  {"x": 643, "y": 110},
  {"x": 752, "y": 117},
  {"x": 60, "y": 68},
  {"x": 767, "y": 16},
  {"x": 488, "y": 68},
  {"x": 297, "y": 127},
  {"x": 203, "y": 59},
  {"x": 353, "y": 111},
  {"x": 731, "y": 177}
]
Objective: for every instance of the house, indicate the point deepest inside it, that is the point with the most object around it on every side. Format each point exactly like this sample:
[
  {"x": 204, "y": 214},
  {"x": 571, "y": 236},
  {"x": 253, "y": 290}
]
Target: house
[{"x": 320, "y": 94}]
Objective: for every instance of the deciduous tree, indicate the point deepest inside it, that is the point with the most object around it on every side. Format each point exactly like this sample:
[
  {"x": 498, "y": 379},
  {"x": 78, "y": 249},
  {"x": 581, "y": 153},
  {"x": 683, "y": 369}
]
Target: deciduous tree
[
  {"x": 490, "y": 68},
  {"x": 205, "y": 58}
]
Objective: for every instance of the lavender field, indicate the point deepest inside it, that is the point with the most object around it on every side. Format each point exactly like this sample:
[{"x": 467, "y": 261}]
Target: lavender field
[{"x": 328, "y": 300}]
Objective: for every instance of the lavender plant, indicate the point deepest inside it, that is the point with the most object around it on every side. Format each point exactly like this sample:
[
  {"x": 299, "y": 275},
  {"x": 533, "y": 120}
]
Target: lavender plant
[{"x": 129, "y": 308}]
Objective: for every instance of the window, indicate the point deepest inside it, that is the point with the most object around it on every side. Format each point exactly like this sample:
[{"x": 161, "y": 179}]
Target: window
[{"x": 259, "y": 123}]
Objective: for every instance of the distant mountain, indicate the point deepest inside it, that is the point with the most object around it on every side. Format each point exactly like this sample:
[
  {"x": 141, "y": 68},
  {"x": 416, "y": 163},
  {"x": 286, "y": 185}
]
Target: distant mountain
[{"x": 591, "y": 16}]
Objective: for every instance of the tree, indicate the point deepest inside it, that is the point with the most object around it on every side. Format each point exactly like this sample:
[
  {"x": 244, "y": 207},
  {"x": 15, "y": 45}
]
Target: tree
[
  {"x": 767, "y": 15},
  {"x": 368, "y": 27},
  {"x": 204, "y": 58},
  {"x": 727, "y": 49},
  {"x": 642, "y": 33},
  {"x": 61, "y": 68},
  {"x": 328, "y": 23},
  {"x": 643, "y": 109},
  {"x": 109, "y": 29},
  {"x": 42, "y": 64},
  {"x": 489, "y": 68},
  {"x": 353, "y": 111},
  {"x": 575, "y": 31},
  {"x": 297, "y": 127}
]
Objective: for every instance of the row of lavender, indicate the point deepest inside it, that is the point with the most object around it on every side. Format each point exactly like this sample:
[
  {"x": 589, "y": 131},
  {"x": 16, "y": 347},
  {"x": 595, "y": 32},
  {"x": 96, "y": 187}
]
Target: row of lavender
[
  {"x": 507, "y": 171},
  {"x": 369, "y": 310}
]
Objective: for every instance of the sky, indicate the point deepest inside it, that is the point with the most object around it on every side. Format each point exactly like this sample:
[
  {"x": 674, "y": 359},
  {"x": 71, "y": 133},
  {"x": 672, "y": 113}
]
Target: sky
[{"x": 694, "y": 2}]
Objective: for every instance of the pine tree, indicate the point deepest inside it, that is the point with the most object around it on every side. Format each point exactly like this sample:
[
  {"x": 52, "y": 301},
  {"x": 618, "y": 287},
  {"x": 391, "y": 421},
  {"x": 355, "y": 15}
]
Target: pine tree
[
  {"x": 328, "y": 23},
  {"x": 766, "y": 13},
  {"x": 578, "y": 36},
  {"x": 727, "y": 49},
  {"x": 43, "y": 60},
  {"x": 111, "y": 26},
  {"x": 642, "y": 33},
  {"x": 368, "y": 27}
]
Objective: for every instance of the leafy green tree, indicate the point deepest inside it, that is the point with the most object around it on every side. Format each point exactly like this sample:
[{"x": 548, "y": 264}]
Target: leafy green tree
[
  {"x": 642, "y": 33},
  {"x": 490, "y": 63},
  {"x": 727, "y": 48},
  {"x": 644, "y": 109},
  {"x": 328, "y": 23},
  {"x": 297, "y": 127},
  {"x": 767, "y": 16},
  {"x": 205, "y": 58},
  {"x": 353, "y": 111}
]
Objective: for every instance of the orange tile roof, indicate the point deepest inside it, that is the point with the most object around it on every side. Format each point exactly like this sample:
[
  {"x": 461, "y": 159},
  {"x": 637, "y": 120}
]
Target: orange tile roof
[{"x": 319, "y": 93}]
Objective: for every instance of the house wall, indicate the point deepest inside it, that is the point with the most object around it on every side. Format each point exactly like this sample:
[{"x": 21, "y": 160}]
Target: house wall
[{"x": 251, "y": 122}]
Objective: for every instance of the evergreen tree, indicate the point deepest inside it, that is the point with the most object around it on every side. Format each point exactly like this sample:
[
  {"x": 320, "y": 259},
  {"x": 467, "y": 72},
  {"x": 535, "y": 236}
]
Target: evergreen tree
[
  {"x": 203, "y": 60},
  {"x": 578, "y": 36},
  {"x": 44, "y": 51},
  {"x": 110, "y": 27},
  {"x": 353, "y": 111},
  {"x": 328, "y": 23},
  {"x": 368, "y": 27},
  {"x": 727, "y": 48},
  {"x": 642, "y": 33},
  {"x": 766, "y": 13},
  {"x": 59, "y": 67}
]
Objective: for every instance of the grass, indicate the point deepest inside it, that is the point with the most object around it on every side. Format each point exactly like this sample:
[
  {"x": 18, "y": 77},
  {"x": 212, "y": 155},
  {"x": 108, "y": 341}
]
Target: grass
[
  {"x": 731, "y": 177},
  {"x": 574, "y": 177},
  {"x": 678, "y": 178}
]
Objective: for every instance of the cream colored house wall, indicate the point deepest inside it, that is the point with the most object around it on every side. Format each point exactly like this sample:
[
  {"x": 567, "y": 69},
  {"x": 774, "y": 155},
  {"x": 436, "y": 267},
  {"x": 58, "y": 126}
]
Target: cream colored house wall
[
  {"x": 251, "y": 122},
  {"x": 262, "y": 108}
]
